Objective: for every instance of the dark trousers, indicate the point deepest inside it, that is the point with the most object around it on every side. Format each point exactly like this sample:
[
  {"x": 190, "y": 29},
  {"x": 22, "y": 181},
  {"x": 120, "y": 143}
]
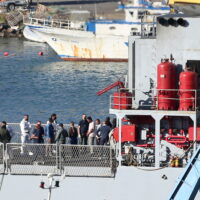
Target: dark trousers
[
  {"x": 35, "y": 141},
  {"x": 103, "y": 141},
  {"x": 84, "y": 140},
  {"x": 73, "y": 140}
]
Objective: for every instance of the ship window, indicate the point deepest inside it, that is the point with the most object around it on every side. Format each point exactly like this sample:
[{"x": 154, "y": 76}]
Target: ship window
[
  {"x": 194, "y": 65},
  {"x": 141, "y": 14},
  {"x": 134, "y": 29},
  {"x": 112, "y": 27},
  {"x": 134, "y": 33}
]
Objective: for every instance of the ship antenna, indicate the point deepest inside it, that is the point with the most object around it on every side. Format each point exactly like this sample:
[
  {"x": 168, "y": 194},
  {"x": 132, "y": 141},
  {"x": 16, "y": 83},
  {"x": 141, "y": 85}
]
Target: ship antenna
[
  {"x": 51, "y": 179},
  {"x": 171, "y": 57}
]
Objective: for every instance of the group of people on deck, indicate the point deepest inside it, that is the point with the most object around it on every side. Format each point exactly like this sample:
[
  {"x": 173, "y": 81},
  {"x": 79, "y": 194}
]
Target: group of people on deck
[{"x": 88, "y": 132}]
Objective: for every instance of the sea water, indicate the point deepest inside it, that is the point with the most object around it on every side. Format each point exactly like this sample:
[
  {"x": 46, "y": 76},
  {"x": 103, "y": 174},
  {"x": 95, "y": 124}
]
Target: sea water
[{"x": 42, "y": 85}]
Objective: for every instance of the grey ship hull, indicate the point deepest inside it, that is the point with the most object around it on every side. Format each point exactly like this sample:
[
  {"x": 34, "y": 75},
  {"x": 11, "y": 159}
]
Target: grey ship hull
[{"x": 129, "y": 183}]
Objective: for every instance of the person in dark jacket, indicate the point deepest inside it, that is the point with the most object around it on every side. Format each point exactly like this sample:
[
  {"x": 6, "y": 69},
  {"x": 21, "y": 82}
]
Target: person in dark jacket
[
  {"x": 61, "y": 135},
  {"x": 83, "y": 129},
  {"x": 4, "y": 134},
  {"x": 50, "y": 137},
  {"x": 114, "y": 123},
  {"x": 104, "y": 130},
  {"x": 37, "y": 133},
  {"x": 73, "y": 133},
  {"x": 108, "y": 122}
]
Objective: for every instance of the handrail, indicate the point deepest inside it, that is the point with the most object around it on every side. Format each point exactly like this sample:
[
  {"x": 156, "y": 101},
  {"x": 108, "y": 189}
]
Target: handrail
[
  {"x": 188, "y": 184},
  {"x": 71, "y": 160},
  {"x": 67, "y": 24},
  {"x": 129, "y": 99}
]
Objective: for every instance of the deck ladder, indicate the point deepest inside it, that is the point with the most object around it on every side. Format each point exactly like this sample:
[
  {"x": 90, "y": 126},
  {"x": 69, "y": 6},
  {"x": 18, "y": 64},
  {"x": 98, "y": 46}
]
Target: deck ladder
[{"x": 188, "y": 183}]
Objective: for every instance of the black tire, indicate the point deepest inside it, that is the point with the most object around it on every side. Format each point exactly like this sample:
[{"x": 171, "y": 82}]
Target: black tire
[{"x": 11, "y": 7}]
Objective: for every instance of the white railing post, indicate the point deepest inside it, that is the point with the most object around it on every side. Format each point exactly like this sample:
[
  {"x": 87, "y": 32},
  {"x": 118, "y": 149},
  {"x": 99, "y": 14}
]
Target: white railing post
[
  {"x": 194, "y": 118},
  {"x": 120, "y": 140},
  {"x": 157, "y": 119}
]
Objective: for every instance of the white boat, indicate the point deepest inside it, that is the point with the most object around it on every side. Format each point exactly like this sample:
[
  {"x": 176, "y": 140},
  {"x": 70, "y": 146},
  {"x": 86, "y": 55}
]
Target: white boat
[{"x": 97, "y": 40}]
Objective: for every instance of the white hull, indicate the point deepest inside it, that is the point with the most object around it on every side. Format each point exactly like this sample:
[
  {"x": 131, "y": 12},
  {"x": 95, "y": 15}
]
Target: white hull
[
  {"x": 83, "y": 45},
  {"x": 129, "y": 183},
  {"x": 31, "y": 35},
  {"x": 92, "y": 48}
]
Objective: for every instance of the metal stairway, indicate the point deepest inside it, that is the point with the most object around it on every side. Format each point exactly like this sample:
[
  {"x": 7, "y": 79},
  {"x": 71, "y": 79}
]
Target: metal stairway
[{"x": 188, "y": 183}]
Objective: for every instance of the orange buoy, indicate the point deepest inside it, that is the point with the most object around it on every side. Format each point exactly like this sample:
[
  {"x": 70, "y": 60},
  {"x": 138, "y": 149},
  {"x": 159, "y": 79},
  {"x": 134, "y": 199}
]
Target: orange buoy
[
  {"x": 40, "y": 53},
  {"x": 6, "y": 53}
]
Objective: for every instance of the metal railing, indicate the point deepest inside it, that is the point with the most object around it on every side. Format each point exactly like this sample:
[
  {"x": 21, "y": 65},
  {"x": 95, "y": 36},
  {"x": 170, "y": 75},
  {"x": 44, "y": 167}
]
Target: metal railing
[
  {"x": 32, "y": 159},
  {"x": 86, "y": 160},
  {"x": 157, "y": 99},
  {"x": 68, "y": 24},
  {"x": 2, "y": 159},
  {"x": 71, "y": 160}
]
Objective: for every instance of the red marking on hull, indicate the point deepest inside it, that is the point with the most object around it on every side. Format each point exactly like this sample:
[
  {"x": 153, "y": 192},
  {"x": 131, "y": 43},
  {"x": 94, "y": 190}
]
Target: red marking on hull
[{"x": 96, "y": 59}]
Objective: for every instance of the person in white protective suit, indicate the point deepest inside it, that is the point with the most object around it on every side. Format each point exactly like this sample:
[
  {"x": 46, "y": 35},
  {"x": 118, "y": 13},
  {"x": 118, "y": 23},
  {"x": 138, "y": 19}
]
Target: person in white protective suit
[{"x": 25, "y": 127}]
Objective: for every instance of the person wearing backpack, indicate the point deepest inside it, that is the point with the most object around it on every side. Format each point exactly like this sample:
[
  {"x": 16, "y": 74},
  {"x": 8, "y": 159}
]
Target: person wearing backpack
[{"x": 61, "y": 135}]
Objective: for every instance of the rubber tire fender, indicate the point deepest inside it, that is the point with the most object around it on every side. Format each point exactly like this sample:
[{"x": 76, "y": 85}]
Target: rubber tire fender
[{"x": 11, "y": 7}]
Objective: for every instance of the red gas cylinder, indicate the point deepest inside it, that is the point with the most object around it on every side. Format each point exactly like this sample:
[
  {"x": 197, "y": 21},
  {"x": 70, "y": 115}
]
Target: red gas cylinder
[
  {"x": 122, "y": 100},
  {"x": 166, "y": 80},
  {"x": 188, "y": 82}
]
